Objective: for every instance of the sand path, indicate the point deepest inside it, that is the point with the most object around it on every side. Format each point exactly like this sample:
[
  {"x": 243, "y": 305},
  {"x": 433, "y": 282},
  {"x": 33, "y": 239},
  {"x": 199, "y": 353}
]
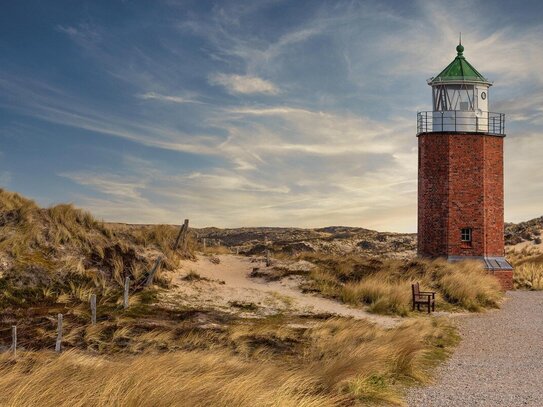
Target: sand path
[{"x": 229, "y": 283}]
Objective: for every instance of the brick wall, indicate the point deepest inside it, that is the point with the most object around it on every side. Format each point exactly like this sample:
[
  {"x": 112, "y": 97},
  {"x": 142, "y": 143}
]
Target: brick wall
[
  {"x": 460, "y": 186},
  {"x": 466, "y": 203},
  {"x": 433, "y": 194},
  {"x": 494, "y": 196},
  {"x": 505, "y": 278}
]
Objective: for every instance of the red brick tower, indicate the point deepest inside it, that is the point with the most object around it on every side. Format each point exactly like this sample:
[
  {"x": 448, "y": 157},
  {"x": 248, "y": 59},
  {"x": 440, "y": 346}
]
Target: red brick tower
[{"x": 460, "y": 211}]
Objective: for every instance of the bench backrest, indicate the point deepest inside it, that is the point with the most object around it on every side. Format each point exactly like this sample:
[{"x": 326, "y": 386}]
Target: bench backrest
[{"x": 416, "y": 289}]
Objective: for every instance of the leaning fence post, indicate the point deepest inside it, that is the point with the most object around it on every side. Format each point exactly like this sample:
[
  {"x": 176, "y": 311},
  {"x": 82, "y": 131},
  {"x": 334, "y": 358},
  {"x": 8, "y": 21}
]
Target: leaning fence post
[
  {"x": 181, "y": 236},
  {"x": 185, "y": 237},
  {"x": 126, "y": 288},
  {"x": 153, "y": 271},
  {"x": 14, "y": 340},
  {"x": 93, "y": 308},
  {"x": 59, "y": 334}
]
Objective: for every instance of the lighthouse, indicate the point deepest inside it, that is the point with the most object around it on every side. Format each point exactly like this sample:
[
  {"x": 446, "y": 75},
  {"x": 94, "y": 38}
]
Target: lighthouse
[{"x": 460, "y": 171}]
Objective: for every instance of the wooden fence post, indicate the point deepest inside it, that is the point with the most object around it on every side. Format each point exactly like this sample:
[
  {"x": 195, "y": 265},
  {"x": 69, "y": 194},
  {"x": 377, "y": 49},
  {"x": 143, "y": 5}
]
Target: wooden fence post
[
  {"x": 268, "y": 262},
  {"x": 59, "y": 334},
  {"x": 182, "y": 236},
  {"x": 126, "y": 288},
  {"x": 93, "y": 308},
  {"x": 153, "y": 271},
  {"x": 204, "y": 242},
  {"x": 14, "y": 340},
  {"x": 185, "y": 237}
]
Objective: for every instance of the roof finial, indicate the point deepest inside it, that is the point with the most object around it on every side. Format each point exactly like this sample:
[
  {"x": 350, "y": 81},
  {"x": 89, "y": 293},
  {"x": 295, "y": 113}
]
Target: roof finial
[{"x": 460, "y": 47}]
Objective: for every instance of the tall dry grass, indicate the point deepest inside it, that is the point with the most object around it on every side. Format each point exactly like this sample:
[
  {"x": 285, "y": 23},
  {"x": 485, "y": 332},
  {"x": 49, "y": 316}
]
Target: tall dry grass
[
  {"x": 529, "y": 276},
  {"x": 266, "y": 363},
  {"x": 384, "y": 285},
  {"x": 469, "y": 286},
  {"x": 527, "y": 254},
  {"x": 189, "y": 379},
  {"x": 527, "y": 268},
  {"x": 54, "y": 249}
]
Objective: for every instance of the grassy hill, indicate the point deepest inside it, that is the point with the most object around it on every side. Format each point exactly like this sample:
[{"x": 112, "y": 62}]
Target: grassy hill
[
  {"x": 52, "y": 259},
  {"x": 61, "y": 254}
]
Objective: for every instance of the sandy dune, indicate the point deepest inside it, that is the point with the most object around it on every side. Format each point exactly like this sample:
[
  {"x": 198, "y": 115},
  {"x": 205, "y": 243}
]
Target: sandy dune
[
  {"x": 527, "y": 245},
  {"x": 228, "y": 287}
]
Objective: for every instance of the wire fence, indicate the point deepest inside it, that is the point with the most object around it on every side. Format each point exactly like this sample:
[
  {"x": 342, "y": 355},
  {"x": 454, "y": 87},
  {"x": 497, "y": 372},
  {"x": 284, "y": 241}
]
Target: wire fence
[
  {"x": 50, "y": 327},
  {"x": 18, "y": 334},
  {"x": 24, "y": 335}
]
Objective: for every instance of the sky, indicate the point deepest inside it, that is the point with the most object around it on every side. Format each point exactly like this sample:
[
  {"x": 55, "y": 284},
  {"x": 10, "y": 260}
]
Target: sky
[{"x": 253, "y": 113}]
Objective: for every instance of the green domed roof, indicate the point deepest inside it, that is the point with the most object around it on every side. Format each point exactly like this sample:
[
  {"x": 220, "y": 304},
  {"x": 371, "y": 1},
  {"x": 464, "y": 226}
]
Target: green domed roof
[{"x": 459, "y": 70}]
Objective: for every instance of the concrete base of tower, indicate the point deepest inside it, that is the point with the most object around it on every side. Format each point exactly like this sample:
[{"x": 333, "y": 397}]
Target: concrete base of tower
[{"x": 497, "y": 266}]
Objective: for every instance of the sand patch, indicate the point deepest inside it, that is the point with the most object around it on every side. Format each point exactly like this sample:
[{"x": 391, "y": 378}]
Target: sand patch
[{"x": 227, "y": 286}]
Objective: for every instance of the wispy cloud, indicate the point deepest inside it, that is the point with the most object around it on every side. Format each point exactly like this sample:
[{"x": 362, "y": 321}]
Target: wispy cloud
[
  {"x": 34, "y": 100},
  {"x": 84, "y": 34},
  {"x": 234, "y": 116},
  {"x": 112, "y": 185},
  {"x": 243, "y": 84},
  {"x": 167, "y": 98}
]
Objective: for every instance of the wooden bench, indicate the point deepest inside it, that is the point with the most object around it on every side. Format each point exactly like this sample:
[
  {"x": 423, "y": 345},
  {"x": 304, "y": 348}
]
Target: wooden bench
[{"x": 427, "y": 298}]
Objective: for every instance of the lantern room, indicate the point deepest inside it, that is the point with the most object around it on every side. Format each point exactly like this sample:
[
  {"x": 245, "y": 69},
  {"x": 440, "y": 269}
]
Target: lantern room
[{"x": 460, "y": 101}]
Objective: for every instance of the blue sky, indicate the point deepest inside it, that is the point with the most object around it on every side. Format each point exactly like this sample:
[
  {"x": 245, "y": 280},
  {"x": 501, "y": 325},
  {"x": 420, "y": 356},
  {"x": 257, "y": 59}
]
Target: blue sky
[{"x": 238, "y": 113}]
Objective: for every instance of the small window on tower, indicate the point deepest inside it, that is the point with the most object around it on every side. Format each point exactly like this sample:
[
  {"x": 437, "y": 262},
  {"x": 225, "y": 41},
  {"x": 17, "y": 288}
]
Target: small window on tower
[{"x": 466, "y": 235}]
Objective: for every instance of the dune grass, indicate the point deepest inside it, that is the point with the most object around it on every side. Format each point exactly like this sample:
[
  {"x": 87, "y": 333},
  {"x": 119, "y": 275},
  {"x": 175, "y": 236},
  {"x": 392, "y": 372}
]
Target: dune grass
[
  {"x": 260, "y": 363},
  {"x": 528, "y": 268},
  {"x": 66, "y": 253},
  {"x": 529, "y": 276},
  {"x": 384, "y": 285},
  {"x": 54, "y": 258}
]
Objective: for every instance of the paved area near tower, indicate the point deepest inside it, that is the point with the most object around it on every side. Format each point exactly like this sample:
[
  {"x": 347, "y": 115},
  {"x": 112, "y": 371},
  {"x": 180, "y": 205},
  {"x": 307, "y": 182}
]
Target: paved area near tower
[{"x": 499, "y": 361}]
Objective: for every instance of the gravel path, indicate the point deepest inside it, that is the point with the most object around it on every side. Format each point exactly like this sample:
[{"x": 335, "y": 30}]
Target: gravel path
[{"x": 499, "y": 361}]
